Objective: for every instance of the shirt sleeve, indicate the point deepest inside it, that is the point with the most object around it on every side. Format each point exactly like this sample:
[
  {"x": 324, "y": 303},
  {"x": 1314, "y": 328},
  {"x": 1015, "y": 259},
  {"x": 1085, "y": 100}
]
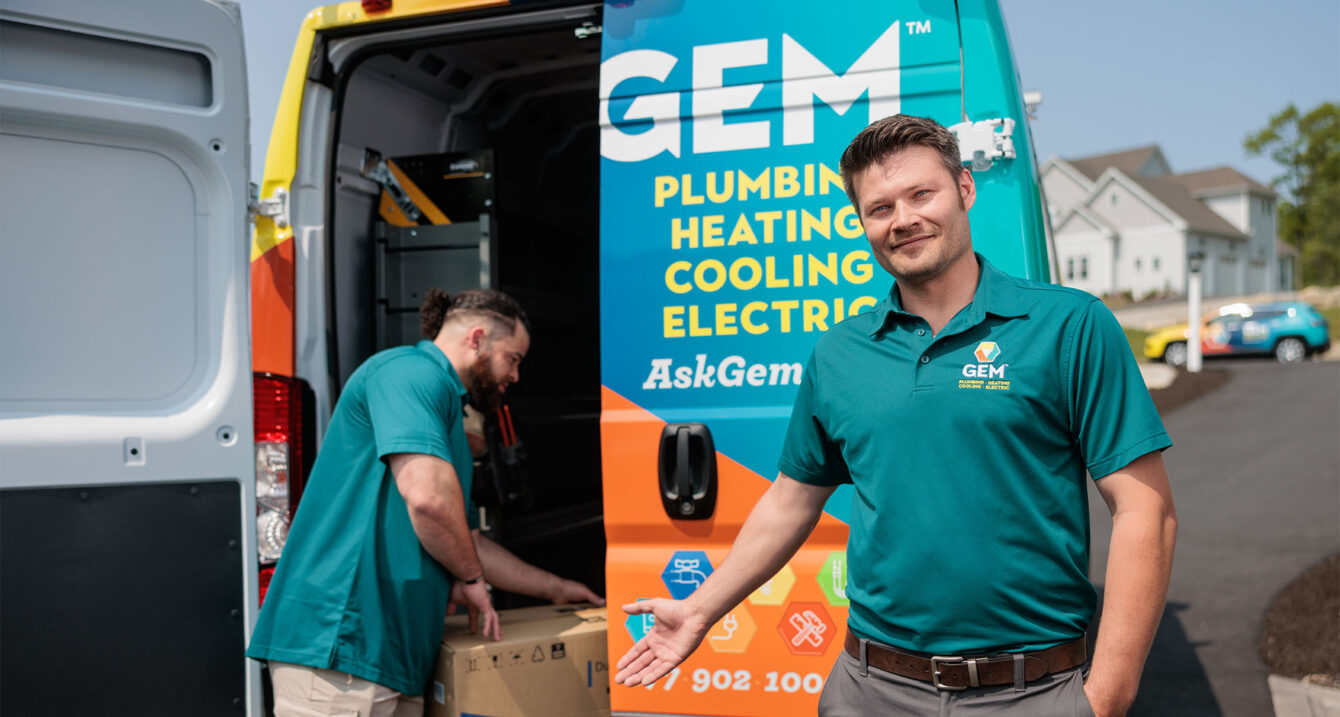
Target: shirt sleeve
[
  {"x": 1112, "y": 415},
  {"x": 407, "y": 410},
  {"x": 808, "y": 454}
]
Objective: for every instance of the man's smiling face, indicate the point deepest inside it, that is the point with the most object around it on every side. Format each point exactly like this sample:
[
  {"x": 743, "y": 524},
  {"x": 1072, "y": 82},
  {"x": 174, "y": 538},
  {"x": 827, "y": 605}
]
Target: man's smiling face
[{"x": 915, "y": 213}]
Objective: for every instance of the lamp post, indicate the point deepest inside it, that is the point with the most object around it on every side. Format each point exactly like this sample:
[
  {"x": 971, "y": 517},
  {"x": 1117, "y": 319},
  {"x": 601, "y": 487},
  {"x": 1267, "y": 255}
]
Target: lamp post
[{"x": 1193, "y": 264}]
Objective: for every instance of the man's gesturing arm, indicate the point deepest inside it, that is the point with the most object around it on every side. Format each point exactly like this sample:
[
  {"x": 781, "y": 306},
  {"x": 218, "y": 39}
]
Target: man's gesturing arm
[
  {"x": 778, "y": 524},
  {"x": 1139, "y": 563},
  {"x": 436, "y": 506}
]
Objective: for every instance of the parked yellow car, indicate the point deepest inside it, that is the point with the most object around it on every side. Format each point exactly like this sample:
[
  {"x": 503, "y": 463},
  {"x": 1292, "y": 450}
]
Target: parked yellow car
[{"x": 1289, "y": 331}]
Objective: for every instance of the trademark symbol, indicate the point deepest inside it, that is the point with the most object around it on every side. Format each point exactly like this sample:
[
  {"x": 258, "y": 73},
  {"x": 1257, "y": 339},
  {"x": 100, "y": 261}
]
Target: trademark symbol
[{"x": 918, "y": 27}]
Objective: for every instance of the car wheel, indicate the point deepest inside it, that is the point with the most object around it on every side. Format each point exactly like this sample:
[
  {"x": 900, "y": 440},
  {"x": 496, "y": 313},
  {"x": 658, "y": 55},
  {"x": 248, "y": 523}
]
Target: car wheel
[
  {"x": 1290, "y": 350},
  {"x": 1175, "y": 354}
]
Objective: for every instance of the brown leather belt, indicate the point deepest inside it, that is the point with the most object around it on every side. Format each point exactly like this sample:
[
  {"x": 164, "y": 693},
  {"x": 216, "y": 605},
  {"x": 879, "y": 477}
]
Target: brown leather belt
[{"x": 959, "y": 672}]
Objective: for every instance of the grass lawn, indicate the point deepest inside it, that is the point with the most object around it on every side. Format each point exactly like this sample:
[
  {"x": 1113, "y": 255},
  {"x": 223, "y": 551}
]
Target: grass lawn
[
  {"x": 1332, "y": 317},
  {"x": 1137, "y": 339}
]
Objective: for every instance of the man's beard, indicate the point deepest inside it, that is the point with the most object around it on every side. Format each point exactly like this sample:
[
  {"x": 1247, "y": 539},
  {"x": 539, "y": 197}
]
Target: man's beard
[
  {"x": 954, "y": 242},
  {"x": 486, "y": 392}
]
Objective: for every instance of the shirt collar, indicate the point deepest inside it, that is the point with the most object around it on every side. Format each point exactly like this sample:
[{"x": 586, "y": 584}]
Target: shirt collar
[
  {"x": 432, "y": 350},
  {"x": 995, "y": 295}
]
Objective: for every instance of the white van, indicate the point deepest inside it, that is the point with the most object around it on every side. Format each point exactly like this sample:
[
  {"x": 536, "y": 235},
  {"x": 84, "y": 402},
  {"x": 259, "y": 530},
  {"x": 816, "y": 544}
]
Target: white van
[{"x": 654, "y": 180}]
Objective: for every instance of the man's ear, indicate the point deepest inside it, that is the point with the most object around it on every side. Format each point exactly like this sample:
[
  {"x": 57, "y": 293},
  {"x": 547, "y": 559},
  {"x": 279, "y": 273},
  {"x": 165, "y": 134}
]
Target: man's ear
[
  {"x": 967, "y": 188},
  {"x": 476, "y": 337}
]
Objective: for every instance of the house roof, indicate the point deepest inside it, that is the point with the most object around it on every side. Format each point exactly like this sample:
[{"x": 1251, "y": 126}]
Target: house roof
[
  {"x": 1283, "y": 247},
  {"x": 1129, "y": 162},
  {"x": 1094, "y": 220},
  {"x": 1178, "y": 198},
  {"x": 1207, "y": 181}
]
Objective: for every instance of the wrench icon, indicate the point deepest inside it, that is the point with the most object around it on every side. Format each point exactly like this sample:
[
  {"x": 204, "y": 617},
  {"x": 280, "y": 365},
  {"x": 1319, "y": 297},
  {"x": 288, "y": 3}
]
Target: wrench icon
[{"x": 809, "y": 629}]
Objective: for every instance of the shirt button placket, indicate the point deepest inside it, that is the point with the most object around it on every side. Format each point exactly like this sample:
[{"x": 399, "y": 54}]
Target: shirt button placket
[{"x": 925, "y": 359}]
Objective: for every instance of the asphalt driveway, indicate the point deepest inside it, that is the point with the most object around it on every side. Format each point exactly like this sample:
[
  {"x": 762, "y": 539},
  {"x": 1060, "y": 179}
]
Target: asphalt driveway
[{"x": 1255, "y": 469}]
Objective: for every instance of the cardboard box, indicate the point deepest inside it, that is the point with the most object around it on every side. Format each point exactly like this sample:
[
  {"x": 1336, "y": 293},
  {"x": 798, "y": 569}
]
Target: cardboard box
[{"x": 551, "y": 661}]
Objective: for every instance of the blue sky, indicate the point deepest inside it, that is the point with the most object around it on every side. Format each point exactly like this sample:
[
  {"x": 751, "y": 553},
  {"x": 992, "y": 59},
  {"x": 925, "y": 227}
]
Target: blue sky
[{"x": 1192, "y": 77}]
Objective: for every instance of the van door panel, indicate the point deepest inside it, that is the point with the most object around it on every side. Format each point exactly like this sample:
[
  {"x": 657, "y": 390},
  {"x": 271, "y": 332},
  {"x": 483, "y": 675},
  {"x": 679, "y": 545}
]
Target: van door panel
[
  {"x": 727, "y": 246},
  {"x": 125, "y": 398}
]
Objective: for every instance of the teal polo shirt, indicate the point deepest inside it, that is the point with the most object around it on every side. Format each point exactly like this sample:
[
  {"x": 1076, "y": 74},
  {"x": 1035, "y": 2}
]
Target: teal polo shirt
[
  {"x": 968, "y": 452},
  {"x": 355, "y": 591}
]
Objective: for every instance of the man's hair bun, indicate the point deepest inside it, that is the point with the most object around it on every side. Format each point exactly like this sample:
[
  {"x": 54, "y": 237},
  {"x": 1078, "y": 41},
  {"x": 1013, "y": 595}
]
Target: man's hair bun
[{"x": 433, "y": 311}]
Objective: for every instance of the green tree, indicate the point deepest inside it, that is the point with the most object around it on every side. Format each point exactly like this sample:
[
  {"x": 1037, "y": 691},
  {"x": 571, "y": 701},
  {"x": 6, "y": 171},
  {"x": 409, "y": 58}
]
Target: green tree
[{"x": 1307, "y": 146}]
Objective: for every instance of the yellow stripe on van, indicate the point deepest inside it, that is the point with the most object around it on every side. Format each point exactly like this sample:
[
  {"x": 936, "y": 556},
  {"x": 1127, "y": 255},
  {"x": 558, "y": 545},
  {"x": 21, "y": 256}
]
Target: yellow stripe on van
[
  {"x": 352, "y": 13},
  {"x": 281, "y": 158}
]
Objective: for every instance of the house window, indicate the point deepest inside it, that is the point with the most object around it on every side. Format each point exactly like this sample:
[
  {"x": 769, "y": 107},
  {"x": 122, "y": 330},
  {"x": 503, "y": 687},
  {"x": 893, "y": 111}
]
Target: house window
[
  {"x": 1070, "y": 268},
  {"x": 1156, "y": 263},
  {"x": 1084, "y": 267},
  {"x": 1114, "y": 199},
  {"x": 1137, "y": 263}
]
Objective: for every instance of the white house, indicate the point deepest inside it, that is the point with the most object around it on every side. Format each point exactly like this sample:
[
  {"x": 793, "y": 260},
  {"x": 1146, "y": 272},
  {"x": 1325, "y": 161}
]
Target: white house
[{"x": 1125, "y": 222}]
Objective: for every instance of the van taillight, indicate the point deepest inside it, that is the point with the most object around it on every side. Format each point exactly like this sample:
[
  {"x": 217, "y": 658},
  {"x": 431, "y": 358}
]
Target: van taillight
[
  {"x": 376, "y": 5},
  {"x": 280, "y": 466}
]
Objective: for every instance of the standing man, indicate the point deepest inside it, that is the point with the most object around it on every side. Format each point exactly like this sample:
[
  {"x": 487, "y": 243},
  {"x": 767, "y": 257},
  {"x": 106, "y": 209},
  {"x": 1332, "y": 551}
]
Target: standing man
[
  {"x": 965, "y": 409},
  {"x": 386, "y": 534}
]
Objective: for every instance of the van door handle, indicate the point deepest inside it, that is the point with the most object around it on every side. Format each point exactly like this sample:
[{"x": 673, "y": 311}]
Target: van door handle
[{"x": 688, "y": 471}]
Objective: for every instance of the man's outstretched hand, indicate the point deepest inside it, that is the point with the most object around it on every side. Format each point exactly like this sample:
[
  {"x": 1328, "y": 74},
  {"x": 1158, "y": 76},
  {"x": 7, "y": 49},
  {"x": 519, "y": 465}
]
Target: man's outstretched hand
[
  {"x": 677, "y": 633},
  {"x": 570, "y": 591}
]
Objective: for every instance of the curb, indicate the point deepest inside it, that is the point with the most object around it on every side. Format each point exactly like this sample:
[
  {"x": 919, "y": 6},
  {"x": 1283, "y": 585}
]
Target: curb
[
  {"x": 1157, "y": 375},
  {"x": 1295, "y": 698}
]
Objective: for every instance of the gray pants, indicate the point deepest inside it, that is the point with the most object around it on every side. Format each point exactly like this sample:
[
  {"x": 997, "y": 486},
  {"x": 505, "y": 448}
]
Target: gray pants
[{"x": 848, "y": 694}]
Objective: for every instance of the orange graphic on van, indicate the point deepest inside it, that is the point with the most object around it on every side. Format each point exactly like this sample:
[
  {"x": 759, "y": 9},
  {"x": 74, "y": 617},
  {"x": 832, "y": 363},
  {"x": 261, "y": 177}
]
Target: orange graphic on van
[
  {"x": 733, "y": 632},
  {"x": 806, "y": 628},
  {"x": 774, "y": 591}
]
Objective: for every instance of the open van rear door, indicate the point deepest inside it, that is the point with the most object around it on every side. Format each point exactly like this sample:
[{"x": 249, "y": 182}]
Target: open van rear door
[
  {"x": 727, "y": 246},
  {"x": 127, "y": 542}
]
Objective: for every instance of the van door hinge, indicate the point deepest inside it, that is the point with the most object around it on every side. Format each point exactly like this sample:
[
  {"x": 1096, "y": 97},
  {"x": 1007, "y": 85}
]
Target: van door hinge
[
  {"x": 274, "y": 207},
  {"x": 983, "y": 142}
]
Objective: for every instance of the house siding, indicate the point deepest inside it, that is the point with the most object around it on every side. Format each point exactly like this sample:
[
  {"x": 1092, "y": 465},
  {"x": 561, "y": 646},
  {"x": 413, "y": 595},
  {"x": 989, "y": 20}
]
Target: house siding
[
  {"x": 1061, "y": 191},
  {"x": 1148, "y": 260},
  {"x": 1126, "y": 210},
  {"x": 1139, "y": 227},
  {"x": 1086, "y": 248}
]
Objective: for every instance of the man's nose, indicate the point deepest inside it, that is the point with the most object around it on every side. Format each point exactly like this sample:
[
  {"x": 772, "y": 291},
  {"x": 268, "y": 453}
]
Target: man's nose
[{"x": 903, "y": 217}]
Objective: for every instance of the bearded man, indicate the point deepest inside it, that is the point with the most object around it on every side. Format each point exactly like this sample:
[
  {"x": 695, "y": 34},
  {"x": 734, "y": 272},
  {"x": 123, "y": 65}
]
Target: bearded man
[{"x": 386, "y": 534}]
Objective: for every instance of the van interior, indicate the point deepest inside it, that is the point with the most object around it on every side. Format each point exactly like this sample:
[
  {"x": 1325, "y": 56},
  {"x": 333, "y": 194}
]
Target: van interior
[{"x": 521, "y": 92}]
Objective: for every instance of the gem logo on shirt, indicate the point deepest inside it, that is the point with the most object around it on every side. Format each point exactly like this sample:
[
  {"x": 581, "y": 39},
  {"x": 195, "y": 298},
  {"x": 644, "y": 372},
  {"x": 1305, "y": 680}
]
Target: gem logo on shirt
[
  {"x": 985, "y": 374},
  {"x": 987, "y": 351}
]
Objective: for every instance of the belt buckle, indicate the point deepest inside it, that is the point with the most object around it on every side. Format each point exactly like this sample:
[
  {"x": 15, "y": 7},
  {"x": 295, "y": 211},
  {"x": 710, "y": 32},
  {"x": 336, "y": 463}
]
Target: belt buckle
[{"x": 935, "y": 672}]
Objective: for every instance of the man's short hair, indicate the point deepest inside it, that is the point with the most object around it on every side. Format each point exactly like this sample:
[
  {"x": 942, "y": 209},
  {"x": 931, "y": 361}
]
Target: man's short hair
[
  {"x": 894, "y": 134},
  {"x": 490, "y": 305}
]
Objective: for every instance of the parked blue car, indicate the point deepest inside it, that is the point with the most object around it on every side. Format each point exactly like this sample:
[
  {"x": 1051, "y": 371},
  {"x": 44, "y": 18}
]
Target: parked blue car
[{"x": 1288, "y": 330}]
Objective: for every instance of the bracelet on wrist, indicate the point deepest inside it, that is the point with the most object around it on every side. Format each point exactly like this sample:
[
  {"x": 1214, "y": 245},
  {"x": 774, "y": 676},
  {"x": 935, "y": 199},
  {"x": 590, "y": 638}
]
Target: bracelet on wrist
[{"x": 473, "y": 580}]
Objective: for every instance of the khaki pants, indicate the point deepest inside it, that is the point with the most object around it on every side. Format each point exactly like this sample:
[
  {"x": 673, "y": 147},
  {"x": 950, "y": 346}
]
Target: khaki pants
[{"x": 312, "y": 692}]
